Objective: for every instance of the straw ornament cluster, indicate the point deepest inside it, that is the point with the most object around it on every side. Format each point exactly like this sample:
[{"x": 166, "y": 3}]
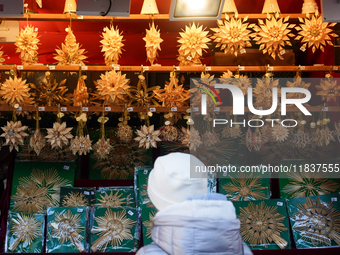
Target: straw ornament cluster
[
  {"x": 74, "y": 199},
  {"x": 112, "y": 44},
  {"x": 153, "y": 42},
  {"x": 27, "y": 45}
]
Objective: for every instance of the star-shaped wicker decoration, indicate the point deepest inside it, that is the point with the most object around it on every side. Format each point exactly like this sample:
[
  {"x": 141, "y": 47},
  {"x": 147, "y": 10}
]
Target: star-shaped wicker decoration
[
  {"x": 328, "y": 89},
  {"x": 152, "y": 43},
  {"x": 112, "y": 45},
  {"x": 59, "y": 135},
  {"x": 314, "y": 32},
  {"x": 16, "y": 91},
  {"x": 274, "y": 35},
  {"x": 148, "y": 137},
  {"x": 27, "y": 45},
  {"x": 14, "y": 134},
  {"x": 263, "y": 92}
]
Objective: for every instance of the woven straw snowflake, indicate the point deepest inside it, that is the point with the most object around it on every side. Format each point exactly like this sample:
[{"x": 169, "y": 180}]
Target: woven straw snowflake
[
  {"x": 15, "y": 91},
  {"x": 148, "y": 137},
  {"x": 233, "y": 35},
  {"x": 152, "y": 43},
  {"x": 274, "y": 35},
  {"x": 37, "y": 141},
  {"x": 300, "y": 139},
  {"x": 314, "y": 32},
  {"x": 125, "y": 133},
  {"x": 243, "y": 83},
  {"x": 103, "y": 148},
  {"x": 279, "y": 133},
  {"x": 191, "y": 138},
  {"x": 328, "y": 90},
  {"x": 209, "y": 139},
  {"x": 14, "y": 134},
  {"x": 59, "y": 135},
  {"x": 112, "y": 45},
  {"x": 298, "y": 83},
  {"x": 112, "y": 87},
  {"x": 168, "y": 133},
  {"x": 337, "y": 130},
  {"x": 81, "y": 145},
  {"x": 27, "y": 45},
  {"x": 193, "y": 42},
  {"x": 263, "y": 92}
]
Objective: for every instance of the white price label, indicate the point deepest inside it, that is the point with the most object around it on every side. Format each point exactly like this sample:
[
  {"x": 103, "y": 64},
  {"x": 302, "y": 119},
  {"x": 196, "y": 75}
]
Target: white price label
[
  {"x": 153, "y": 109},
  {"x": 92, "y": 192},
  {"x": 145, "y": 68},
  {"x": 302, "y": 48},
  {"x": 259, "y": 108},
  {"x": 225, "y": 173},
  {"x": 174, "y": 109},
  {"x": 129, "y": 109},
  {"x": 335, "y": 68},
  {"x": 116, "y": 67},
  {"x": 25, "y": 5},
  {"x": 41, "y": 108},
  {"x": 189, "y": 58},
  {"x": 195, "y": 109},
  {"x": 67, "y": 167},
  {"x": 334, "y": 199},
  {"x": 80, "y": 17},
  {"x": 243, "y": 51},
  {"x": 241, "y": 68},
  {"x": 279, "y": 203},
  {"x": 102, "y": 192},
  {"x": 216, "y": 109},
  {"x": 19, "y": 108},
  {"x": 177, "y": 68},
  {"x": 80, "y": 210},
  {"x": 85, "y": 109},
  {"x": 282, "y": 52},
  {"x": 208, "y": 68},
  {"x": 63, "y": 109},
  {"x": 107, "y": 109},
  {"x": 270, "y": 68},
  {"x": 130, "y": 212},
  {"x": 20, "y": 67},
  {"x": 325, "y": 109},
  {"x": 86, "y": 193},
  {"x": 36, "y": 29},
  {"x": 84, "y": 68},
  {"x": 302, "y": 67},
  {"x": 51, "y": 67},
  {"x": 146, "y": 171}
]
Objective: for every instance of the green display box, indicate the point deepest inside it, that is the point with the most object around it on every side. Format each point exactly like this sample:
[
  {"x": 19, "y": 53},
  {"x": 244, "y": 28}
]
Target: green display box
[
  {"x": 66, "y": 229},
  {"x": 245, "y": 186},
  {"x": 307, "y": 178},
  {"x": 315, "y": 220},
  {"x": 25, "y": 233},
  {"x": 114, "y": 230},
  {"x": 36, "y": 185},
  {"x": 147, "y": 224},
  {"x": 141, "y": 186},
  {"x": 111, "y": 197},
  {"x": 264, "y": 224},
  {"x": 70, "y": 197}
]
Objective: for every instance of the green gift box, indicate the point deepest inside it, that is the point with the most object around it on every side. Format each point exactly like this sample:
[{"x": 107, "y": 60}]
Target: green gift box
[
  {"x": 70, "y": 197},
  {"x": 315, "y": 220},
  {"x": 66, "y": 229},
  {"x": 114, "y": 230},
  {"x": 307, "y": 178},
  {"x": 147, "y": 224},
  {"x": 36, "y": 185},
  {"x": 264, "y": 224},
  {"x": 25, "y": 233},
  {"x": 115, "y": 197},
  {"x": 245, "y": 186},
  {"x": 141, "y": 186}
]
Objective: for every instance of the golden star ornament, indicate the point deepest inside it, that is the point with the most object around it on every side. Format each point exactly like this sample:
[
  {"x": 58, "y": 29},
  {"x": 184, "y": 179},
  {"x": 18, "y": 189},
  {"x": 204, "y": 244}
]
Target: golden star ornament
[
  {"x": 14, "y": 134},
  {"x": 112, "y": 45},
  {"x": 27, "y": 45},
  {"x": 152, "y": 43}
]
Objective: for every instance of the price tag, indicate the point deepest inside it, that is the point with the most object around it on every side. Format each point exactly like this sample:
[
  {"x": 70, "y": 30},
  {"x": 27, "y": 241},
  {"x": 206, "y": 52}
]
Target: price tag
[
  {"x": 63, "y": 109},
  {"x": 102, "y": 192},
  {"x": 208, "y": 68},
  {"x": 153, "y": 109},
  {"x": 25, "y": 5},
  {"x": 302, "y": 67},
  {"x": 335, "y": 68},
  {"x": 302, "y": 48},
  {"x": 84, "y": 68},
  {"x": 334, "y": 199},
  {"x": 282, "y": 52},
  {"x": 41, "y": 108},
  {"x": 259, "y": 108},
  {"x": 270, "y": 68},
  {"x": 86, "y": 193},
  {"x": 146, "y": 171},
  {"x": 19, "y": 108},
  {"x": 189, "y": 58},
  {"x": 66, "y": 167},
  {"x": 279, "y": 203},
  {"x": 216, "y": 109},
  {"x": 80, "y": 17},
  {"x": 51, "y": 67},
  {"x": 80, "y": 210},
  {"x": 107, "y": 109},
  {"x": 195, "y": 109},
  {"x": 174, "y": 109},
  {"x": 243, "y": 51},
  {"x": 36, "y": 29},
  {"x": 85, "y": 109},
  {"x": 177, "y": 68},
  {"x": 325, "y": 109},
  {"x": 241, "y": 68},
  {"x": 116, "y": 67},
  {"x": 20, "y": 67},
  {"x": 129, "y": 109},
  {"x": 130, "y": 212},
  {"x": 225, "y": 173},
  {"x": 92, "y": 192},
  {"x": 145, "y": 68}
]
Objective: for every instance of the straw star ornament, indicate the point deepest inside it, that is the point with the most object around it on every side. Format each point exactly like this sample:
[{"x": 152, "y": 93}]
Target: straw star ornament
[
  {"x": 112, "y": 45},
  {"x": 14, "y": 134},
  {"x": 15, "y": 91},
  {"x": 148, "y": 137},
  {"x": 153, "y": 42},
  {"x": 59, "y": 135},
  {"x": 27, "y": 45},
  {"x": 328, "y": 90}
]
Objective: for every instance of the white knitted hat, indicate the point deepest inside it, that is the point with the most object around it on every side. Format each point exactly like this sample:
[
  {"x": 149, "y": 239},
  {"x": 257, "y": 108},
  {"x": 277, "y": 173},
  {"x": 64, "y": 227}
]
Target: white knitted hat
[{"x": 169, "y": 181}]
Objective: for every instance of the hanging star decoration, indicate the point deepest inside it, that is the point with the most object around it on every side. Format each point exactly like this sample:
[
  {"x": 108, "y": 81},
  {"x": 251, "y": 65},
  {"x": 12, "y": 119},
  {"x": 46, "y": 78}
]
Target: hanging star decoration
[
  {"x": 49, "y": 92},
  {"x": 103, "y": 146},
  {"x": 1, "y": 55},
  {"x": 191, "y": 139},
  {"x": 113, "y": 228},
  {"x": 67, "y": 228},
  {"x": 27, "y": 45},
  {"x": 328, "y": 89},
  {"x": 168, "y": 133},
  {"x": 173, "y": 95},
  {"x": 112, "y": 44},
  {"x": 37, "y": 140},
  {"x": 80, "y": 94},
  {"x": 297, "y": 83},
  {"x": 124, "y": 132},
  {"x": 25, "y": 228},
  {"x": 279, "y": 133},
  {"x": 74, "y": 199},
  {"x": 153, "y": 42},
  {"x": 14, "y": 134},
  {"x": 209, "y": 139},
  {"x": 206, "y": 83},
  {"x": 81, "y": 143},
  {"x": 193, "y": 42},
  {"x": 112, "y": 87},
  {"x": 306, "y": 184},
  {"x": 244, "y": 188},
  {"x": 149, "y": 224},
  {"x": 111, "y": 200},
  {"x": 59, "y": 135},
  {"x": 148, "y": 137},
  {"x": 70, "y": 52},
  {"x": 16, "y": 91},
  {"x": 30, "y": 198},
  {"x": 263, "y": 92},
  {"x": 49, "y": 180},
  {"x": 243, "y": 83},
  {"x": 262, "y": 224},
  {"x": 314, "y": 32},
  {"x": 337, "y": 130},
  {"x": 318, "y": 222},
  {"x": 233, "y": 34},
  {"x": 274, "y": 35}
]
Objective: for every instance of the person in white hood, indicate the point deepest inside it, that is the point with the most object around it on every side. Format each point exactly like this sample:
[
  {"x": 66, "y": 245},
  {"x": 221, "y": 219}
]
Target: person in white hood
[{"x": 189, "y": 221}]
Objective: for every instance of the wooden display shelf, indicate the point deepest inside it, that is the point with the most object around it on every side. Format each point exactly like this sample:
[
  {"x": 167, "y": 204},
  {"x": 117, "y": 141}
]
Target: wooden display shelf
[
  {"x": 131, "y": 18},
  {"x": 74, "y": 68}
]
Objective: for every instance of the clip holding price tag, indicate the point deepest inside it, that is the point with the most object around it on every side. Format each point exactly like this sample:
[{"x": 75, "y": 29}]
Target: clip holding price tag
[
  {"x": 334, "y": 199},
  {"x": 51, "y": 67},
  {"x": 241, "y": 68},
  {"x": 130, "y": 212},
  {"x": 174, "y": 109},
  {"x": 279, "y": 203},
  {"x": 195, "y": 109},
  {"x": 66, "y": 167},
  {"x": 152, "y": 109},
  {"x": 41, "y": 108},
  {"x": 208, "y": 68},
  {"x": 63, "y": 109},
  {"x": 270, "y": 68},
  {"x": 86, "y": 193},
  {"x": 146, "y": 171},
  {"x": 80, "y": 210},
  {"x": 84, "y": 68},
  {"x": 216, "y": 109},
  {"x": 85, "y": 109},
  {"x": 107, "y": 109},
  {"x": 325, "y": 109},
  {"x": 129, "y": 109},
  {"x": 20, "y": 67},
  {"x": 19, "y": 109},
  {"x": 145, "y": 68}
]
